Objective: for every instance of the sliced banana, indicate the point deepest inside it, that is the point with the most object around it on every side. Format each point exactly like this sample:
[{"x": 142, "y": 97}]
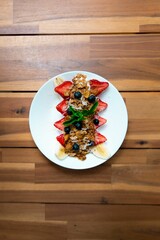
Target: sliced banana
[
  {"x": 101, "y": 151},
  {"x": 58, "y": 81},
  {"x": 61, "y": 153}
]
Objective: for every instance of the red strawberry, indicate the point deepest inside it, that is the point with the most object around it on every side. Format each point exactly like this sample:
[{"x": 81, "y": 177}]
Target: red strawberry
[
  {"x": 101, "y": 105},
  {"x": 99, "y": 138},
  {"x": 97, "y": 87},
  {"x": 62, "y": 107},
  {"x": 59, "y": 124},
  {"x": 102, "y": 121},
  {"x": 60, "y": 139},
  {"x": 63, "y": 89}
]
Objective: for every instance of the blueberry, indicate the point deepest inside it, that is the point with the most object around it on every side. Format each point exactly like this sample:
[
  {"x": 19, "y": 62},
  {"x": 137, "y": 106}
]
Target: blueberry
[
  {"x": 67, "y": 129},
  {"x": 96, "y": 121},
  {"x": 91, "y": 98},
  {"x": 78, "y": 125},
  {"x": 91, "y": 143},
  {"x": 77, "y": 95},
  {"x": 69, "y": 111},
  {"x": 75, "y": 147}
]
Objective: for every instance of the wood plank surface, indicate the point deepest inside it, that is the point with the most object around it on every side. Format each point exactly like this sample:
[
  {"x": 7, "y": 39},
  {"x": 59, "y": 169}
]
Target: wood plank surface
[
  {"x": 56, "y": 17},
  {"x": 123, "y": 180},
  {"x": 15, "y": 230},
  {"x": 103, "y": 212},
  {"x": 81, "y": 221},
  {"x": 105, "y": 230},
  {"x": 123, "y": 156},
  {"x": 81, "y": 193},
  {"x": 143, "y": 111},
  {"x": 130, "y": 62},
  {"x": 22, "y": 211},
  {"x": 132, "y": 174},
  {"x": 17, "y": 172}
]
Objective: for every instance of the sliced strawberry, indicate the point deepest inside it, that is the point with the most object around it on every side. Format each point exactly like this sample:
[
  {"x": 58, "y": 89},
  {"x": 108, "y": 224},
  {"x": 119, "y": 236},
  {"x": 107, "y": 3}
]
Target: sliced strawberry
[
  {"x": 101, "y": 105},
  {"x": 59, "y": 124},
  {"x": 63, "y": 89},
  {"x": 97, "y": 87},
  {"x": 62, "y": 107},
  {"x": 102, "y": 121},
  {"x": 99, "y": 138},
  {"x": 60, "y": 139}
]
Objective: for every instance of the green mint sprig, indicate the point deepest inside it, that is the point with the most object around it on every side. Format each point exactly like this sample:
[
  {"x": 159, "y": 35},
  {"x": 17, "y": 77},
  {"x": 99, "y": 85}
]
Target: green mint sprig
[{"x": 78, "y": 116}]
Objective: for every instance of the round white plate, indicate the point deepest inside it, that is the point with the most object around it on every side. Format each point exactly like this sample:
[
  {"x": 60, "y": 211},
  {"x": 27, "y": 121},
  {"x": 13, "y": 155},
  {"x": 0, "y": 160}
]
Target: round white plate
[{"x": 43, "y": 115}]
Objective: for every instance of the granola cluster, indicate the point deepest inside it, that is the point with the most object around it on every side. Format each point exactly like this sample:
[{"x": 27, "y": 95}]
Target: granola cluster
[
  {"x": 80, "y": 84},
  {"x": 84, "y": 136}
]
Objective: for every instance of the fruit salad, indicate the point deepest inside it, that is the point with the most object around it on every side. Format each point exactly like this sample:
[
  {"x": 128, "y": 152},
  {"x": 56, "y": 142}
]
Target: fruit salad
[{"x": 80, "y": 107}]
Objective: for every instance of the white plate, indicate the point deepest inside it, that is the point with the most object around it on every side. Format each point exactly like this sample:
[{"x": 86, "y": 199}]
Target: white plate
[{"x": 43, "y": 114}]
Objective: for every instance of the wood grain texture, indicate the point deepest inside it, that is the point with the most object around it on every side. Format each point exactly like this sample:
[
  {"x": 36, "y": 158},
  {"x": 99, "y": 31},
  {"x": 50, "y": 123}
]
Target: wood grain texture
[
  {"x": 59, "y": 17},
  {"x": 17, "y": 172},
  {"x": 44, "y": 173},
  {"x": 15, "y": 132},
  {"x": 15, "y": 230},
  {"x": 81, "y": 221},
  {"x": 85, "y": 25},
  {"x": 135, "y": 46},
  {"x": 53, "y": 192},
  {"x": 103, "y": 212},
  {"x": 123, "y": 156},
  {"x": 6, "y": 7},
  {"x": 114, "y": 230},
  {"x": 130, "y": 177},
  {"x": 26, "y": 155},
  {"x": 150, "y": 27},
  {"x": 85, "y": 9},
  {"x": 81, "y": 193},
  {"x": 11, "y": 105},
  {"x": 133, "y": 174},
  {"x": 22, "y": 211},
  {"x": 130, "y": 62},
  {"x": 143, "y": 130},
  {"x": 120, "y": 41}
]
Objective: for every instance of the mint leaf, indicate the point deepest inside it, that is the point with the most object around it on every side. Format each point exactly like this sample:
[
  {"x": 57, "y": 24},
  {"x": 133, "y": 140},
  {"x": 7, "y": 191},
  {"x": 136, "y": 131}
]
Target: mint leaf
[
  {"x": 69, "y": 122},
  {"x": 93, "y": 108},
  {"x": 80, "y": 115}
]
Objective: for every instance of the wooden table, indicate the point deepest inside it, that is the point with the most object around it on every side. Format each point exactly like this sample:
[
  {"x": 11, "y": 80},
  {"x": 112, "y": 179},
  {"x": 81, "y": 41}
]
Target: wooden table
[{"x": 119, "y": 40}]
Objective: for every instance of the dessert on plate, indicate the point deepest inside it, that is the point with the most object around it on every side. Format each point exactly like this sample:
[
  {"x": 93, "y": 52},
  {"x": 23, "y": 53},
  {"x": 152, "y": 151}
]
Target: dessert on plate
[{"x": 80, "y": 108}]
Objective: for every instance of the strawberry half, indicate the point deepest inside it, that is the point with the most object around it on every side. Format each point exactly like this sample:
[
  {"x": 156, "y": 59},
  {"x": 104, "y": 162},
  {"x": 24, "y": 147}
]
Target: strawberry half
[
  {"x": 60, "y": 139},
  {"x": 102, "y": 121},
  {"x": 97, "y": 87},
  {"x": 63, "y": 89},
  {"x": 59, "y": 124},
  {"x": 99, "y": 138},
  {"x": 62, "y": 106},
  {"x": 101, "y": 106}
]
